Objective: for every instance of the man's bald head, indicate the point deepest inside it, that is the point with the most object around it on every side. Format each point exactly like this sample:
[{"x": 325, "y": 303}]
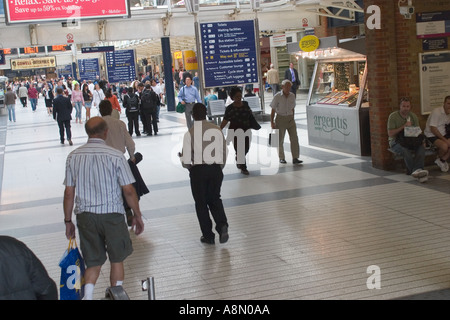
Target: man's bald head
[{"x": 96, "y": 127}]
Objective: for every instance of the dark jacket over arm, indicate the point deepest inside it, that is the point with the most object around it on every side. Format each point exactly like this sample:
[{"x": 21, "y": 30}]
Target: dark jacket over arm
[{"x": 22, "y": 275}]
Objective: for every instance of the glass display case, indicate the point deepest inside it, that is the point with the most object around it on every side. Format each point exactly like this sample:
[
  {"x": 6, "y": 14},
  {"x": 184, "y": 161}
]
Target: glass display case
[{"x": 338, "y": 106}]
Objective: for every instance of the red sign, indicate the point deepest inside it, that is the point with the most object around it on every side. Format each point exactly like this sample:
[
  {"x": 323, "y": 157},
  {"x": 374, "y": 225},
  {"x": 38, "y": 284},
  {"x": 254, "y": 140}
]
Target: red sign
[
  {"x": 69, "y": 38},
  {"x": 26, "y": 11}
]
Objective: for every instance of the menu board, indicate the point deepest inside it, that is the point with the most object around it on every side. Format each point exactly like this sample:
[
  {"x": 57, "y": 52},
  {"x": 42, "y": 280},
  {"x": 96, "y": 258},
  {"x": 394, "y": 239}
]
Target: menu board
[
  {"x": 434, "y": 79},
  {"x": 229, "y": 53},
  {"x": 89, "y": 69},
  {"x": 121, "y": 65}
]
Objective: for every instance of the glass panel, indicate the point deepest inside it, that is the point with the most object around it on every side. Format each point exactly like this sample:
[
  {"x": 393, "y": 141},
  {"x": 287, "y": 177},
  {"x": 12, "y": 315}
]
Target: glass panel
[{"x": 338, "y": 83}]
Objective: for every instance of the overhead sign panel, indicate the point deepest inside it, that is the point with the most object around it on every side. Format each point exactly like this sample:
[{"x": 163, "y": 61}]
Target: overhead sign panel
[
  {"x": 97, "y": 49},
  {"x": 89, "y": 69},
  {"x": 121, "y": 65},
  {"x": 29, "y": 11},
  {"x": 229, "y": 53}
]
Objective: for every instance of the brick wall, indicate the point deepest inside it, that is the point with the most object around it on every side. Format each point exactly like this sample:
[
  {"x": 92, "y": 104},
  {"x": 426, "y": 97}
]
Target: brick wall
[{"x": 393, "y": 69}]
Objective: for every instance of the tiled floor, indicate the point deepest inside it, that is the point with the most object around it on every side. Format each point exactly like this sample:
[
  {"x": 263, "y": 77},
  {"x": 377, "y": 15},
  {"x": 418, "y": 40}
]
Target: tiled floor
[{"x": 305, "y": 232}]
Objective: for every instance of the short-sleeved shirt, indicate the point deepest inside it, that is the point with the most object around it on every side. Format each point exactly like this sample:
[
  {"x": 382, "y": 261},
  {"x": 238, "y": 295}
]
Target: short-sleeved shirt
[
  {"x": 283, "y": 105},
  {"x": 438, "y": 118},
  {"x": 97, "y": 172},
  {"x": 396, "y": 120}
]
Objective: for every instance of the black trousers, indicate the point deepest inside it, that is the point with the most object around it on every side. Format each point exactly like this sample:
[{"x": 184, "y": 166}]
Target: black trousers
[
  {"x": 206, "y": 181},
  {"x": 133, "y": 122},
  {"x": 64, "y": 125},
  {"x": 151, "y": 121}
]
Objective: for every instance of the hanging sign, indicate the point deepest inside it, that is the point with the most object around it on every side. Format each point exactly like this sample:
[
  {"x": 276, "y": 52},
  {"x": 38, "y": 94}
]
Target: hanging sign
[{"x": 309, "y": 43}]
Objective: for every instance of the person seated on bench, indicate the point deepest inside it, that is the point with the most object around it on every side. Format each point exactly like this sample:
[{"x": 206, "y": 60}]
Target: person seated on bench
[
  {"x": 437, "y": 130},
  {"x": 414, "y": 159}
]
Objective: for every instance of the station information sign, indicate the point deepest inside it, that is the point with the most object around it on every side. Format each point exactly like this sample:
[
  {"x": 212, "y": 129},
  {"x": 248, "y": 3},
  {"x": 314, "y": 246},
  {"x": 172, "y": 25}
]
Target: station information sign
[
  {"x": 121, "y": 65},
  {"x": 89, "y": 69},
  {"x": 229, "y": 53}
]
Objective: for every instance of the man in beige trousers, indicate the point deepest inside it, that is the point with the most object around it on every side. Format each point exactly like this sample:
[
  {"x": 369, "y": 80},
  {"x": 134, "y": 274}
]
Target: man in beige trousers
[{"x": 283, "y": 105}]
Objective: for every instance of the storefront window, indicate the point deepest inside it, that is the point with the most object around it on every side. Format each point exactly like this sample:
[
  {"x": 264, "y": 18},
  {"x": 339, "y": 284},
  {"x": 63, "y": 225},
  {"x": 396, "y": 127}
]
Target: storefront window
[{"x": 338, "y": 83}]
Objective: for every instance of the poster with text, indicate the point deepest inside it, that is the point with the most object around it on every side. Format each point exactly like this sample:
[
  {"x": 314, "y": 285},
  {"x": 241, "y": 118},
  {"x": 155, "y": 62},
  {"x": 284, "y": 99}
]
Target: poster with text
[
  {"x": 29, "y": 11},
  {"x": 434, "y": 79}
]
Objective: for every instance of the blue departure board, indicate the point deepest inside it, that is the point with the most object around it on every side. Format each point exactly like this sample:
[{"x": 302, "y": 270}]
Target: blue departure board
[
  {"x": 121, "y": 66},
  {"x": 229, "y": 53},
  {"x": 89, "y": 69}
]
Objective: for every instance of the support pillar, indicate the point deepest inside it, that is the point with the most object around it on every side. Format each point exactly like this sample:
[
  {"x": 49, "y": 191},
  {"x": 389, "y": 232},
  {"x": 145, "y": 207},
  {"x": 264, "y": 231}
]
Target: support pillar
[{"x": 168, "y": 75}]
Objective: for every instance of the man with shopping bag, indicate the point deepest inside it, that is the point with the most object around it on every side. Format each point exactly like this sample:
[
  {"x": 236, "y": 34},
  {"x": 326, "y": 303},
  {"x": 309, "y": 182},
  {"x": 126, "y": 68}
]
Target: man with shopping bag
[{"x": 96, "y": 175}]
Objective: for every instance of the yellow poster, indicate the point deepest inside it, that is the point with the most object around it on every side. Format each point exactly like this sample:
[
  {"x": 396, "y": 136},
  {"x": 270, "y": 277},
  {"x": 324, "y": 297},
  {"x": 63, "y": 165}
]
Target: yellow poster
[
  {"x": 33, "y": 63},
  {"x": 190, "y": 60}
]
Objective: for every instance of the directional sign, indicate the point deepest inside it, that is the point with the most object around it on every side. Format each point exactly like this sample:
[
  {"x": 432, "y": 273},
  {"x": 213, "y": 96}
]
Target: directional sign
[
  {"x": 121, "y": 65},
  {"x": 89, "y": 69},
  {"x": 97, "y": 49},
  {"x": 229, "y": 53}
]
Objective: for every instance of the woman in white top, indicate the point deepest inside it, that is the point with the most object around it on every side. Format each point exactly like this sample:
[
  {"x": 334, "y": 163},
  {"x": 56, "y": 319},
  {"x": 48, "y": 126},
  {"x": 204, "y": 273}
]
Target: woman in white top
[{"x": 97, "y": 95}]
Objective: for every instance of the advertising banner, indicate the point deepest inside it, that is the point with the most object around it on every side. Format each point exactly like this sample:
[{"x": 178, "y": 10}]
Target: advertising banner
[
  {"x": 29, "y": 11},
  {"x": 33, "y": 63}
]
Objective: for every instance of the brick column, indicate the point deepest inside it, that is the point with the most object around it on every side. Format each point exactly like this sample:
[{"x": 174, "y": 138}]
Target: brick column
[{"x": 382, "y": 52}]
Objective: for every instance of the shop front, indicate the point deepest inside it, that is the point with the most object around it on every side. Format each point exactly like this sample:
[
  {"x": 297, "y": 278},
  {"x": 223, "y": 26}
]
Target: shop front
[{"x": 338, "y": 100}]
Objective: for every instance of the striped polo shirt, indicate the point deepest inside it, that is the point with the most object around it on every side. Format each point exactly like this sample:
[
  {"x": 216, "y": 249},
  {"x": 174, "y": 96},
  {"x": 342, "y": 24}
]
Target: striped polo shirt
[{"x": 97, "y": 171}]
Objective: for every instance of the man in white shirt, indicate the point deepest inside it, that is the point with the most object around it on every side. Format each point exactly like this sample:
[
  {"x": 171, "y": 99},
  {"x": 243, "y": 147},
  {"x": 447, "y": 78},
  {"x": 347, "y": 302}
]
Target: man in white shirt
[
  {"x": 283, "y": 105},
  {"x": 437, "y": 130}
]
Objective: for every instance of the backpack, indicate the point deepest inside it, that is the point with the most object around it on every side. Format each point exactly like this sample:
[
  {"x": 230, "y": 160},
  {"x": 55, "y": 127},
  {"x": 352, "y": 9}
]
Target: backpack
[
  {"x": 149, "y": 100},
  {"x": 133, "y": 103}
]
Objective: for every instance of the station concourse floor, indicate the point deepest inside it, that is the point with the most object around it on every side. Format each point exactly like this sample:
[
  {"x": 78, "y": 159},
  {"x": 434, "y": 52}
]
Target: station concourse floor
[{"x": 313, "y": 231}]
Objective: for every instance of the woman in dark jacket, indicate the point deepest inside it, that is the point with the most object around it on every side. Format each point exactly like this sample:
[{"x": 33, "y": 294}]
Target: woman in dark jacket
[
  {"x": 240, "y": 116},
  {"x": 23, "y": 276}
]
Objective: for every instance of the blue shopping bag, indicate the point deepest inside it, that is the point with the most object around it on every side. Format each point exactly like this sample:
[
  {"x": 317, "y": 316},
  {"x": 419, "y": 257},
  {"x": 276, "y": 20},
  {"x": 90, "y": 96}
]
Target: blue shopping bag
[{"x": 72, "y": 273}]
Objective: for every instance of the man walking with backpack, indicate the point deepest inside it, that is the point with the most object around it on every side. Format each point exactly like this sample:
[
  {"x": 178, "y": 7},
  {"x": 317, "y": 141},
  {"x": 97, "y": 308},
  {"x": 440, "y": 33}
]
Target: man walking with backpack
[
  {"x": 149, "y": 104},
  {"x": 131, "y": 105}
]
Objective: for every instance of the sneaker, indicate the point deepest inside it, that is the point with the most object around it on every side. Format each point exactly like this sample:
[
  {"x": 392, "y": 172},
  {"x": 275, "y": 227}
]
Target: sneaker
[
  {"x": 443, "y": 165},
  {"x": 424, "y": 179},
  {"x": 70, "y": 142},
  {"x": 245, "y": 171},
  {"x": 297, "y": 161},
  {"x": 283, "y": 161},
  {"x": 419, "y": 173}
]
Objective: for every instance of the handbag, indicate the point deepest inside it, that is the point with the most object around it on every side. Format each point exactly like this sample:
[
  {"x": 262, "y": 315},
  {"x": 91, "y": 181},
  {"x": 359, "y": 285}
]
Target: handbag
[
  {"x": 180, "y": 108},
  {"x": 273, "y": 139},
  {"x": 72, "y": 273},
  {"x": 410, "y": 143}
]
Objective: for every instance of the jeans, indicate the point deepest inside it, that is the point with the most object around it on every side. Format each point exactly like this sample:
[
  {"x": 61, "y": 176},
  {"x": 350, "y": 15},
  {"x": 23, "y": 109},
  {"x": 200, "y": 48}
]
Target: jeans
[
  {"x": 78, "y": 105},
  {"x": 413, "y": 159},
  {"x": 12, "y": 112},
  {"x": 33, "y": 102}
]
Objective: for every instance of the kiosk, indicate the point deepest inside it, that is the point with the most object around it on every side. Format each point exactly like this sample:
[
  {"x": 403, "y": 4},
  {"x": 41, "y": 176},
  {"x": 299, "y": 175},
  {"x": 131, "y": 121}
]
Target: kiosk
[{"x": 338, "y": 101}]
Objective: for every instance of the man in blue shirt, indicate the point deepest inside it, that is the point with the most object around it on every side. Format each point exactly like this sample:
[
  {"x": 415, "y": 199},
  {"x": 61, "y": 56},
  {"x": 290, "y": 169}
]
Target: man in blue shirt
[{"x": 188, "y": 96}]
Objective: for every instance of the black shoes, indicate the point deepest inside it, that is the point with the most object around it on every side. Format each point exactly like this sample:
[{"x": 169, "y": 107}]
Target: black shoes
[
  {"x": 205, "y": 240},
  {"x": 223, "y": 236},
  {"x": 70, "y": 142},
  {"x": 297, "y": 161},
  {"x": 245, "y": 171},
  {"x": 283, "y": 161}
]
